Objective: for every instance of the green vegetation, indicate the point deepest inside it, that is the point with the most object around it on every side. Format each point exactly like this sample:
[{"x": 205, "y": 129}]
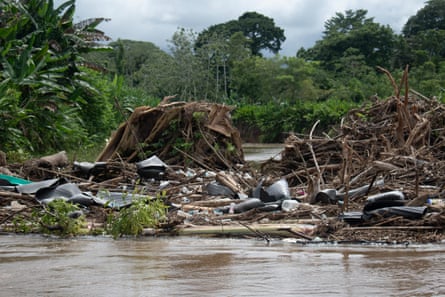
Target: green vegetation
[
  {"x": 59, "y": 218},
  {"x": 64, "y": 219},
  {"x": 265, "y": 36},
  {"x": 64, "y": 85},
  {"x": 142, "y": 213},
  {"x": 44, "y": 91}
]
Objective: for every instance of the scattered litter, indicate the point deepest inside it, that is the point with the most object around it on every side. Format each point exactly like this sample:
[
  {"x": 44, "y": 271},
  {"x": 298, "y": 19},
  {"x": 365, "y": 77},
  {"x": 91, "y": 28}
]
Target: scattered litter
[{"x": 381, "y": 177}]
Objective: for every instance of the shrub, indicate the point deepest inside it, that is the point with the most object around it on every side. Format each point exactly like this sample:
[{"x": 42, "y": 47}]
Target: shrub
[{"x": 143, "y": 213}]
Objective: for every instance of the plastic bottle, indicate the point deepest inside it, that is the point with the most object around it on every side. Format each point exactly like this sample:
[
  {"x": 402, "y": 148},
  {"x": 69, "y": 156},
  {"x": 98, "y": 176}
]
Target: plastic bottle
[{"x": 232, "y": 208}]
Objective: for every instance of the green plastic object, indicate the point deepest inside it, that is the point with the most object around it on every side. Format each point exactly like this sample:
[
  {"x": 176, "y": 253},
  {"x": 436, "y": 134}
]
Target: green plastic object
[{"x": 15, "y": 180}]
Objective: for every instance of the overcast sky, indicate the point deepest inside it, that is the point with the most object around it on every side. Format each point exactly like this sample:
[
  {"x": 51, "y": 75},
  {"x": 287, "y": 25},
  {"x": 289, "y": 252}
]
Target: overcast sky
[{"x": 302, "y": 20}]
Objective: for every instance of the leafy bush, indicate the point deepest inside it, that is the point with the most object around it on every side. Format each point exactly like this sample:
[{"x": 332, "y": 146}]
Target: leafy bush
[
  {"x": 275, "y": 120},
  {"x": 142, "y": 213},
  {"x": 61, "y": 218},
  {"x": 42, "y": 83}
]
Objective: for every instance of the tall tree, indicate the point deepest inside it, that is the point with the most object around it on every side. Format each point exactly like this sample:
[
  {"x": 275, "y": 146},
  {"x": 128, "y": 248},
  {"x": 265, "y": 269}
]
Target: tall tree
[
  {"x": 259, "y": 29},
  {"x": 277, "y": 79},
  {"x": 425, "y": 31},
  {"x": 157, "y": 74},
  {"x": 430, "y": 17},
  {"x": 188, "y": 69},
  {"x": 353, "y": 30},
  {"x": 263, "y": 33}
]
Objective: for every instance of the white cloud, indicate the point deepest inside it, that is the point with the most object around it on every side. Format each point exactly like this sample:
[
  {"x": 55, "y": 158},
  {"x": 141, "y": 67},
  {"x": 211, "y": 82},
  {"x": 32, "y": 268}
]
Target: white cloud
[{"x": 302, "y": 20}]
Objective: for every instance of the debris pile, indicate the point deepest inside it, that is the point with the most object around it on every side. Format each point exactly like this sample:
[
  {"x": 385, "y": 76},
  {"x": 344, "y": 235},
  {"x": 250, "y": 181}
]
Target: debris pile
[
  {"x": 393, "y": 149},
  {"x": 183, "y": 133},
  {"x": 379, "y": 179}
]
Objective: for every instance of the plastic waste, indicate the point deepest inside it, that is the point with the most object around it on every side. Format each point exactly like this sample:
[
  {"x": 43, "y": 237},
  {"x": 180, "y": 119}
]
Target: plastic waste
[
  {"x": 382, "y": 200},
  {"x": 352, "y": 217},
  {"x": 360, "y": 191},
  {"x": 289, "y": 205},
  {"x": 435, "y": 201},
  {"x": 232, "y": 208},
  {"x": 152, "y": 167},
  {"x": 279, "y": 190},
  {"x": 88, "y": 168},
  {"x": 216, "y": 189},
  {"x": 270, "y": 206},
  {"x": 391, "y": 195},
  {"x": 163, "y": 184},
  {"x": 373, "y": 205},
  {"x": 332, "y": 196},
  {"x": 243, "y": 206},
  {"x": 409, "y": 212},
  {"x": 241, "y": 196},
  {"x": 185, "y": 190},
  {"x": 275, "y": 192},
  {"x": 9, "y": 180},
  {"x": 248, "y": 204},
  {"x": 326, "y": 196}
]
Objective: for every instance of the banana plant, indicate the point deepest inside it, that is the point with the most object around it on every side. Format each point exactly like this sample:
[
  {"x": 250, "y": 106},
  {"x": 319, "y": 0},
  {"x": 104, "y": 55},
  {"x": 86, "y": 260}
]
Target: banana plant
[{"x": 41, "y": 65}]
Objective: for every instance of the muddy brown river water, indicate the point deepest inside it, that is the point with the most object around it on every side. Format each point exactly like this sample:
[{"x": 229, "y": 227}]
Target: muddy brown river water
[{"x": 189, "y": 266}]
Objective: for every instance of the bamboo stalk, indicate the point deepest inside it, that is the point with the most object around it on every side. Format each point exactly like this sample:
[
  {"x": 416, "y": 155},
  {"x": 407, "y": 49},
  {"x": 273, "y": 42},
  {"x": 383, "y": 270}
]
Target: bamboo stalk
[
  {"x": 267, "y": 229},
  {"x": 13, "y": 195},
  {"x": 381, "y": 228}
]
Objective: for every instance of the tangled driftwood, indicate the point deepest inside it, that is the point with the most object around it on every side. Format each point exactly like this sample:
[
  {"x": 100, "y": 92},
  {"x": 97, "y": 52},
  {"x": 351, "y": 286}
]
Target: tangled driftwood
[
  {"x": 191, "y": 134},
  {"x": 399, "y": 139}
]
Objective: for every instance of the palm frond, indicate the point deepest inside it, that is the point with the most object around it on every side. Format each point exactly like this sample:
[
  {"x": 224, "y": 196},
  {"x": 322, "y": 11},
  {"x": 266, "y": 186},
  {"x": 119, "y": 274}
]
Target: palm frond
[{"x": 90, "y": 23}]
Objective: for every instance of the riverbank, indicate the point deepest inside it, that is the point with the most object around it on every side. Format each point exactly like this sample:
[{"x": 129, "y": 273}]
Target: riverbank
[
  {"x": 195, "y": 209},
  {"x": 380, "y": 179}
]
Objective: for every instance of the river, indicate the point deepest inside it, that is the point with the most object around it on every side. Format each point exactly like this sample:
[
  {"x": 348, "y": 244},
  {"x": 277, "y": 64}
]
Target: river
[
  {"x": 35, "y": 265},
  {"x": 189, "y": 266},
  {"x": 262, "y": 151}
]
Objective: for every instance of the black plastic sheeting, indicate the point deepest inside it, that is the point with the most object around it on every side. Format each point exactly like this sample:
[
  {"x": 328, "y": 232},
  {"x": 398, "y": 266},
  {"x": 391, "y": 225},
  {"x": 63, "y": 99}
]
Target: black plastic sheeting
[
  {"x": 332, "y": 196},
  {"x": 385, "y": 204},
  {"x": 59, "y": 188},
  {"x": 69, "y": 192},
  {"x": 87, "y": 169},
  {"x": 216, "y": 189},
  {"x": 151, "y": 168},
  {"x": 275, "y": 192},
  {"x": 32, "y": 188},
  {"x": 408, "y": 212}
]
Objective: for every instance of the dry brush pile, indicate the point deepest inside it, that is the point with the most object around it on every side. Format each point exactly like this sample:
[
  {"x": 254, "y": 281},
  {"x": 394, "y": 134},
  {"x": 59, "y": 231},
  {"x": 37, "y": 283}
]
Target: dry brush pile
[
  {"x": 182, "y": 133},
  {"x": 399, "y": 140}
]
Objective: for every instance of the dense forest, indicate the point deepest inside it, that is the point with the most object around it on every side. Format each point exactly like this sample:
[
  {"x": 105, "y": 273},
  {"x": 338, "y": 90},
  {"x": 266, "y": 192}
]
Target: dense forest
[{"x": 66, "y": 85}]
